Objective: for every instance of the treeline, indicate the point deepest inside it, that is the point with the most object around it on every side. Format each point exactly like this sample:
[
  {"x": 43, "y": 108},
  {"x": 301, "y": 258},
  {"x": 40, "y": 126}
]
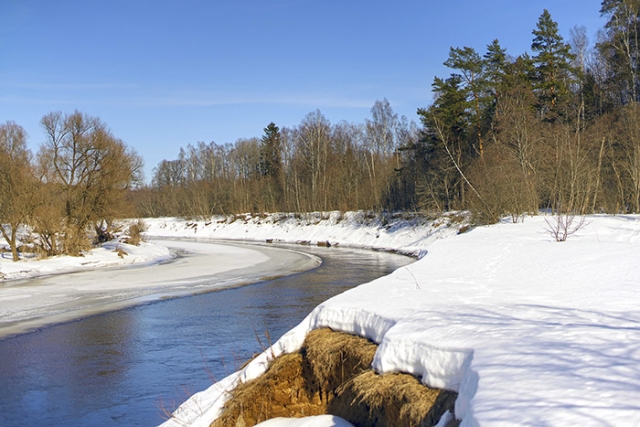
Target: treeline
[
  {"x": 70, "y": 192},
  {"x": 314, "y": 166},
  {"x": 557, "y": 128}
]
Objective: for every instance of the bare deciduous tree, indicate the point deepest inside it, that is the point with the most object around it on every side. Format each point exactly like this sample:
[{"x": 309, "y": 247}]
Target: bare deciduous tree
[
  {"x": 16, "y": 183},
  {"x": 314, "y": 144},
  {"x": 89, "y": 170}
]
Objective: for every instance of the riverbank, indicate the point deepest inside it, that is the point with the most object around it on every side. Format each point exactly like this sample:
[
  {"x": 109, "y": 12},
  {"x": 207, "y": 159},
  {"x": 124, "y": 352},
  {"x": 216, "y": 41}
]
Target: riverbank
[
  {"x": 331, "y": 374},
  {"x": 405, "y": 233},
  {"x": 500, "y": 308},
  {"x": 111, "y": 254}
]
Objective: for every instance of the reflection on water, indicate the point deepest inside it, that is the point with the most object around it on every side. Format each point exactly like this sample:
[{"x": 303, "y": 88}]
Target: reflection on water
[{"x": 123, "y": 368}]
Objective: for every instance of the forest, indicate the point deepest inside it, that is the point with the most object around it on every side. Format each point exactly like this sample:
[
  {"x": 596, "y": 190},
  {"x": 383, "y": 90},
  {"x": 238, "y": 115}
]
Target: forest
[{"x": 556, "y": 128}]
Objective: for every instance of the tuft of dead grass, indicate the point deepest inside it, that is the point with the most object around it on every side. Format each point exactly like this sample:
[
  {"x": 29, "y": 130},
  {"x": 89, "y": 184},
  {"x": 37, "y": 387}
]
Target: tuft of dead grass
[
  {"x": 332, "y": 374},
  {"x": 394, "y": 399},
  {"x": 334, "y": 358},
  {"x": 279, "y": 392},
  {"x": 135, "y": 232}
]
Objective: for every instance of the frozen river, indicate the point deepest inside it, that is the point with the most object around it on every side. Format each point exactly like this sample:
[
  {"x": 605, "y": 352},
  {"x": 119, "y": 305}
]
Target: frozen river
[
  {"x": 200, "y": 266},
  {"x": 125, "y": 367}
]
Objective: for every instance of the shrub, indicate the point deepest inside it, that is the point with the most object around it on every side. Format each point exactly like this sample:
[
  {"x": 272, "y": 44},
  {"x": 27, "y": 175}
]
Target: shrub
[
  {"x": 561, "y": 226},
  {"x": 135, "y": 232}
]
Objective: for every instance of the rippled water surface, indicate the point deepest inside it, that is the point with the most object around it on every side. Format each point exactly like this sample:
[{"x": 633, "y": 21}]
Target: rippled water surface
[{"x": 125, "y": 368}]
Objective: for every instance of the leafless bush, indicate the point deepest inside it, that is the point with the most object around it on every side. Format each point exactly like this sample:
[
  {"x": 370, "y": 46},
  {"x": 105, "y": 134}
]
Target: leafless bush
[
  {"x": 561, "y": 226},
  {"x": 135, "y": 232},
  {"x": 505, "y": 188}
]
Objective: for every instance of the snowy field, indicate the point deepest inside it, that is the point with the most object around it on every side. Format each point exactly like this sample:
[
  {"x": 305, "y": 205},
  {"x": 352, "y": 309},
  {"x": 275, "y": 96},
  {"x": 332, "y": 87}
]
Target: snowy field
[{"x": 528, "y": 330}]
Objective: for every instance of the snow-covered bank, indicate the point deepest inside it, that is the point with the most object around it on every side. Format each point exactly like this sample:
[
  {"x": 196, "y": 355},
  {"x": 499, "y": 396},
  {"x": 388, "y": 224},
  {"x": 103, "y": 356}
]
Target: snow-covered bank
[
  {"x": 404, "y": 233},
  {"x": 529, "y": 331},
  {"x": 109, "y": 254}
]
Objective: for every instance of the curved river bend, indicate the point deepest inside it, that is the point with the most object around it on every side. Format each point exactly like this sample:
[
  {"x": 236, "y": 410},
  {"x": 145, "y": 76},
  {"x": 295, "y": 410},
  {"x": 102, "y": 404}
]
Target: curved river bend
[{"x": 125, "y": 368}]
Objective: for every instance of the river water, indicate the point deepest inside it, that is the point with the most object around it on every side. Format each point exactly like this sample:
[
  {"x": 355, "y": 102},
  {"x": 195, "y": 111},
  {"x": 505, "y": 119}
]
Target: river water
[{"x": 129, "y": 367}]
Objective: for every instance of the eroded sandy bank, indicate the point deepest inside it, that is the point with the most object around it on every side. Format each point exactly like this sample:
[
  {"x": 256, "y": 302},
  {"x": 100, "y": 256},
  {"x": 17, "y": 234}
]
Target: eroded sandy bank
[{"x": 331, "y": 374}]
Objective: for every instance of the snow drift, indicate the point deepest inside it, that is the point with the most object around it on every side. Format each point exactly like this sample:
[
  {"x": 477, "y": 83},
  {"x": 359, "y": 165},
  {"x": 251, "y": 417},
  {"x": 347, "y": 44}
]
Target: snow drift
[{"x": 527, "y": 330}]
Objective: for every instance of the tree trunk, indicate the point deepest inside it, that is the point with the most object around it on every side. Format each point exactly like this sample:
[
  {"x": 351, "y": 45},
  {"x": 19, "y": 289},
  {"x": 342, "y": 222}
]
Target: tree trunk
[
  {"x": 11, "y": 240},
  {"x": 598, "y": 172}
]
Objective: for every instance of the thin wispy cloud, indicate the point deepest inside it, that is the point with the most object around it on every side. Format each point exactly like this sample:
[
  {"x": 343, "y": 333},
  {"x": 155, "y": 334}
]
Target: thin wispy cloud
[
  {"x": 36, "y": 101},
  {"x": 46, "y": 86},
  {"x": 203, "y": 99},
  {"x": 130, "y": 94}
]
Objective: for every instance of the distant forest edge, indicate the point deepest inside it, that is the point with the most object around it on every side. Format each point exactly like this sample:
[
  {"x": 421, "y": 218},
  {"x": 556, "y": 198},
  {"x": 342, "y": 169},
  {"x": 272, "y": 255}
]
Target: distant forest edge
[{"x": 555, "y": 129}]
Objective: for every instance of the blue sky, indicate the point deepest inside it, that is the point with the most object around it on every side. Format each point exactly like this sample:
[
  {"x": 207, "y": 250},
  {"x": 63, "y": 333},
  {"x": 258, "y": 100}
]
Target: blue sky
[{"x": 166, "y": 73}]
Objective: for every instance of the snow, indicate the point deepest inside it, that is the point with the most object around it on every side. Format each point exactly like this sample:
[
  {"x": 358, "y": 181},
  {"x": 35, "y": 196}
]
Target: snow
[
  {"x": 106, "y": 255},
  {"x": 528, "y": 331},
  {"x": 317, "y": 421},
  {"x": 403, "y": 233}
]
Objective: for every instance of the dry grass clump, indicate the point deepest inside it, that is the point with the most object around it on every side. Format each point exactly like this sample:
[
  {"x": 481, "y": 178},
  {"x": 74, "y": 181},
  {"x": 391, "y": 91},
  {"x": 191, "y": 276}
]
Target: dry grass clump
[
  {"x": 135, "y": 232},
  {"x": 332, "y": 374},
  {"x": 279, "y": 392},
  {"x": 398, "y": 399},
  {"x": 333, "y": 358}
]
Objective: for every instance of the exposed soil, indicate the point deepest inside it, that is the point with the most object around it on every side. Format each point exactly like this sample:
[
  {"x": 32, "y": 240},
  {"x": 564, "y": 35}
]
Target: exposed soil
[{"x": 332, "y": 374}]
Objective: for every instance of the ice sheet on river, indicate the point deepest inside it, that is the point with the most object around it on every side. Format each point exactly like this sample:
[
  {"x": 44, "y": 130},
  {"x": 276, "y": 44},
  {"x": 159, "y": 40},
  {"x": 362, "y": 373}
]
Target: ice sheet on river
[{"x": 202, "y": 266}]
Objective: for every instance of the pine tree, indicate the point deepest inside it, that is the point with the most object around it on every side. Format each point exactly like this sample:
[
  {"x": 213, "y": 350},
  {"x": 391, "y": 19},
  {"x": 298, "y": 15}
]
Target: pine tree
[
  {"x": 621, "y": 48},
  {"x": 271, "y": 163},
  {"x": 475, "y": 85},
  {"x": 270, "y": 147},
  {"x": 495, "y": 64},
  {"x": 447, "y": 126},
  {"x": 495, "y": 72},
  {"x": 495, "y": 60},
  {"x": 553, "y": 70}
]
